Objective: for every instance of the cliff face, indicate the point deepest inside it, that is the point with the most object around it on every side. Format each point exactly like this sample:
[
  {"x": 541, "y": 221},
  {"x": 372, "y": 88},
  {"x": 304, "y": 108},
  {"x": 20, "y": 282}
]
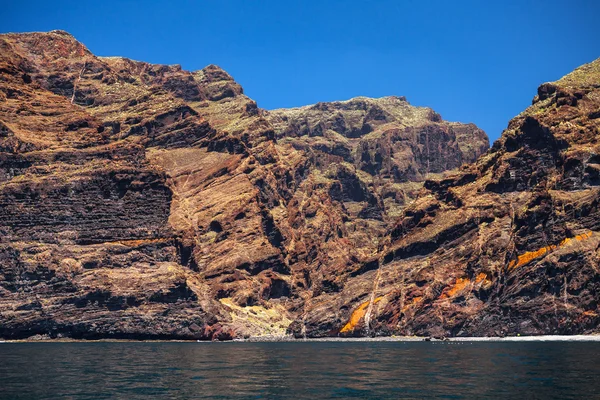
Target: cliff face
[
  {"x": 508, "y": 245},
  {"x": 145, "y": 201},
  {"x": 389, "y": 143},
  {"x": 86, "y": 249}
]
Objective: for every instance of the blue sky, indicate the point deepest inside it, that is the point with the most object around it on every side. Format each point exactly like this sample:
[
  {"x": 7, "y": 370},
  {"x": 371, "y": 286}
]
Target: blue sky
[{"x": 472, "y": 61}]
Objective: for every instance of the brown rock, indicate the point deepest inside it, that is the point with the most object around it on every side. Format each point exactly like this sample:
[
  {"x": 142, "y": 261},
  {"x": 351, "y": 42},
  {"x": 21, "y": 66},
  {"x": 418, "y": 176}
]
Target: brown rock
[
  {"x": 509, "y": 245},
  {"x": 145, "y": 201}
]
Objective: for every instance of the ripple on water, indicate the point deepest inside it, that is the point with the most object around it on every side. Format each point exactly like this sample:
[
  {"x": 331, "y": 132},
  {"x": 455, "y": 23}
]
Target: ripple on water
[{"x": 367, "y": 370}]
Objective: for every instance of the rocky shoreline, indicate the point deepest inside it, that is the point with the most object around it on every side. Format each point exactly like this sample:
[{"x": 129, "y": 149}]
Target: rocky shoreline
[{"x": 290, "y": 339}]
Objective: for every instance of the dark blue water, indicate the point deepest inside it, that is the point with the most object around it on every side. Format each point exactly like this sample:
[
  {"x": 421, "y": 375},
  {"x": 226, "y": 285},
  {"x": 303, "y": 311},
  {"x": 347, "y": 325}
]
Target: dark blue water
[{"x": 366, "y": 370}]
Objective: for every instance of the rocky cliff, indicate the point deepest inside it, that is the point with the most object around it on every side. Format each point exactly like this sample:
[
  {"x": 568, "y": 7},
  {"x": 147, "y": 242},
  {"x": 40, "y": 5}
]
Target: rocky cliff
[
  {"x": 507, "y": 245},
  {"x": 389, "y": 143},
  {"x": 146, "y": 201}
]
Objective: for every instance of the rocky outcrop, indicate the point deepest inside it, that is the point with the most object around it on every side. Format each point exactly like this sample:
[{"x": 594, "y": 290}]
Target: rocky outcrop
[
  {"x": 508, "y": 245},
  {"x": 390, "y": 143},
  {"x": 146, "y": 201},
  {"x": 86, "y": 250}
]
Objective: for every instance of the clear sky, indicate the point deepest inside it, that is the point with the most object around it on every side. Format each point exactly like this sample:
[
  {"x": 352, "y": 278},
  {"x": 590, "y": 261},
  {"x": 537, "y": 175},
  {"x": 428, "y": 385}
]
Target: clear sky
[{"x": 472, "y": 61}]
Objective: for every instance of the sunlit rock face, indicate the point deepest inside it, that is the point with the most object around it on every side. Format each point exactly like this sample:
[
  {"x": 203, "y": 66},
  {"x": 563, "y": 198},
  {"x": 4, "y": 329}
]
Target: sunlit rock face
[
  {"x": 507, "y": 245},
  {"x": 387, "y": 143},
  {"x": 146, "y": 201}
]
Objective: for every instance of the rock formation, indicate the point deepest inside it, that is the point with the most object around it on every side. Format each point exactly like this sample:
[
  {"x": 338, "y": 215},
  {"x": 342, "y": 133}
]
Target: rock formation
[
  {"x": 389, "y": 143},
  {"x": 507, "y": 245},
  {"x": 146, "y": 201}
]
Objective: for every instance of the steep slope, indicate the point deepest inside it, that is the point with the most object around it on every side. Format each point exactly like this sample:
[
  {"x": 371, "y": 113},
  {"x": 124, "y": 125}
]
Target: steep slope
[
  {"x": 508, "y": 245},
  {"x": 390, "y": 143},
  {"x": 86, "y": 247},
  {"x": 146, "y": 201}
]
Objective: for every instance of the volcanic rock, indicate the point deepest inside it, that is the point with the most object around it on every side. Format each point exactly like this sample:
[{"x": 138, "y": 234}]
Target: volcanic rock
[
  {"x": 144, "y": 201},
  {"x": 508, "y": 245}
]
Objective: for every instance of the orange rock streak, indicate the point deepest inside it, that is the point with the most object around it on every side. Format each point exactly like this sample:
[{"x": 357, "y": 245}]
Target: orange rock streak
[
  {"x": 357, "y": 315},
  {"x": 531, "y": 255}
]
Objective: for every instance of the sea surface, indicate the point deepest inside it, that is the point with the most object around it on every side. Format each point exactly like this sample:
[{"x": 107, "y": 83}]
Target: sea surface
[{"x": 302, "y": 370}]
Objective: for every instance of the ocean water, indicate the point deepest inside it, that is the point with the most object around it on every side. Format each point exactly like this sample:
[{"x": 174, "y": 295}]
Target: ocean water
[{"x": 303, "y": 370}]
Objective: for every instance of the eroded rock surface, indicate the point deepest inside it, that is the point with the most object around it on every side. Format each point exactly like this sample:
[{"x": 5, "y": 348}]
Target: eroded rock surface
[
  {"x": 507, "y": 245},
  {"x": 388, "y": 143},
  {"x": 146, "y": 201}
]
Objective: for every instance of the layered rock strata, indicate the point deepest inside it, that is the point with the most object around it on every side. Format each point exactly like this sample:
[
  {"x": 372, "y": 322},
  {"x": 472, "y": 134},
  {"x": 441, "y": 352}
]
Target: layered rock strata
[
  {"x": 507, "y": 245},
  {"x": 146, "y": 201}
]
